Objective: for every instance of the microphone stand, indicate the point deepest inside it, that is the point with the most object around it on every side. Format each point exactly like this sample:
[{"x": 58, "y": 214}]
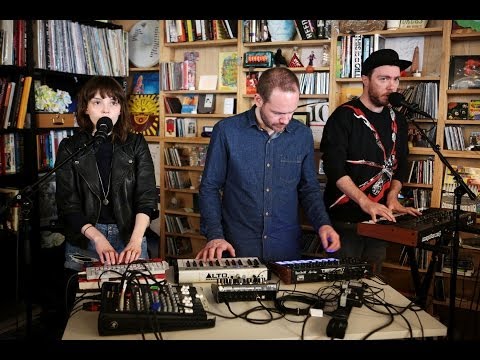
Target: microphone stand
[
  {"x": 460, "y": 190},
  {"x": 23, "y": 198}
]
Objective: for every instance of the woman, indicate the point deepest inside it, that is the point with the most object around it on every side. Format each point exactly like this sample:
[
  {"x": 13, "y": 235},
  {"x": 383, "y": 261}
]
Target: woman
[{"x": 106, "y": 194}]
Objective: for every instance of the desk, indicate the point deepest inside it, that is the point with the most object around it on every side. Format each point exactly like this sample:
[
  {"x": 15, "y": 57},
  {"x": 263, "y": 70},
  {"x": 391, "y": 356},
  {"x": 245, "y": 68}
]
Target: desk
[{"x": 83, "y": 324}]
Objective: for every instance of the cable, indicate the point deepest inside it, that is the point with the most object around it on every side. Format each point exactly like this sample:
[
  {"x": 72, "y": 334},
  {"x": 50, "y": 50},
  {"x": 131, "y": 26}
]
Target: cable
[{"x": 308, "y": 300}]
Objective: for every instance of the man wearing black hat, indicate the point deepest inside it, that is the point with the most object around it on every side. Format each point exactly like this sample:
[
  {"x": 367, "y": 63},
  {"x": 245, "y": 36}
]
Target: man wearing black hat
[{"x": 365, "y": 151}]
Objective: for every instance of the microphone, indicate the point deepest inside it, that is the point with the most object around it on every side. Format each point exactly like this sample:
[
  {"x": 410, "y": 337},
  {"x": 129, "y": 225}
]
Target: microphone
[
  {"x": 396, "y": 99},
  {"x": 104, "y": 126}
]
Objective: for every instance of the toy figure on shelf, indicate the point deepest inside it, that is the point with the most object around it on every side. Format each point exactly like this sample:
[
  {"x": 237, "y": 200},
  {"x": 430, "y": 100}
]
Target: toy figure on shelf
[
  {"x": 311, "y": 57},
  {"x": 295, "y": 61},
  {"x": 279, "y": 59}
]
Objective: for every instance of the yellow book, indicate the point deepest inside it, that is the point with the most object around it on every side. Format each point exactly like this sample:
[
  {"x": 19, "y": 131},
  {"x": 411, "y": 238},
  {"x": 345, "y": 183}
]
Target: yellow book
[
  {"x": 227, "y": 71},
  {"x": 22, "y": 113}
]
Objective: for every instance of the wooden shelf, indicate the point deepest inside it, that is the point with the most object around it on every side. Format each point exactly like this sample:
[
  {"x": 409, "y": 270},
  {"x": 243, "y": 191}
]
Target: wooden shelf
[
  {"x": 462, "y": 304},
  {"x": 201, "y": 43},
  {"x": 276, "y": 44}
]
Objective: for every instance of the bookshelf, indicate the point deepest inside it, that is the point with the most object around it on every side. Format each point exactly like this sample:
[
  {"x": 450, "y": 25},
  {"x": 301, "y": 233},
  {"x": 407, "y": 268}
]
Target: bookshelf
[
  {"x": 32, "y": 59},
  {"x": 180, "y": 218},
  {"x": 438, "y": 45}
]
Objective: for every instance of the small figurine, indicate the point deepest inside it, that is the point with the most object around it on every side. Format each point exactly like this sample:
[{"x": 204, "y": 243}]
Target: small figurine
[
  {"x": 295, "y": 61},
  {"x": 279, "y": 59}
]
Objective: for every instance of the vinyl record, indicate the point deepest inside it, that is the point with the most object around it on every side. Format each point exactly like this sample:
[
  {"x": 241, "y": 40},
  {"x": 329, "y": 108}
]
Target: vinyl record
[{"x": 143, "y": 44}]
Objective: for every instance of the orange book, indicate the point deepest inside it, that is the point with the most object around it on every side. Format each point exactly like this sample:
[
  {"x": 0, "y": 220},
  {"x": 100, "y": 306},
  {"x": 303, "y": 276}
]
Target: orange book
[{"x": 22, "y": 113}]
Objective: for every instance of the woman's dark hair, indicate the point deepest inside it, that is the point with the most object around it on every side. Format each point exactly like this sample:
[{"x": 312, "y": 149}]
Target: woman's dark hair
[{"x": 106, "y": 87}]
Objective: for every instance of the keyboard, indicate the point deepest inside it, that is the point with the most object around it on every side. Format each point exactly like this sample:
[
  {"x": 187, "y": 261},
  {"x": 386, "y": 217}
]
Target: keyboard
[{"x": 154, "y": 266}]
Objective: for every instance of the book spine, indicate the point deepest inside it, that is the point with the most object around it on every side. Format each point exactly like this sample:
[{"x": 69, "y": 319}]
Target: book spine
[{"x": 357, "y": 56}]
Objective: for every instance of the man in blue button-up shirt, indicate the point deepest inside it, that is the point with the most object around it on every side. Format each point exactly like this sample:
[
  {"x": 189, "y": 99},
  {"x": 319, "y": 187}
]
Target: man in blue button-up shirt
[{"x": 260, "y": 165}]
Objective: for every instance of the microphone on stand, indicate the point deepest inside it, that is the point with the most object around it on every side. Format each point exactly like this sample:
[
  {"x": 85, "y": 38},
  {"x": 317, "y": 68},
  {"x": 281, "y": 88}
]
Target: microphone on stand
[
  {"x": 396, "y": 99},
  {"x": 104, "y": 127}
]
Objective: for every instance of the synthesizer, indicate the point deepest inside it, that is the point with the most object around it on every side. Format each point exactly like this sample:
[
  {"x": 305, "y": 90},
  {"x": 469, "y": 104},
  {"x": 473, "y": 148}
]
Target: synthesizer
[
  {"x": 194, "y": 270},
  {"x": 145, "y": 308},
  {"x": 414, "y": 230},
  {"x": 153, "y": 266},
  {"x": 321, "y": 269}
]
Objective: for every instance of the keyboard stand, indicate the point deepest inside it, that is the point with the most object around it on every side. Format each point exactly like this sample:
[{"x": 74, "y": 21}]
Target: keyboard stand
[{"x": 422, "y": 286}]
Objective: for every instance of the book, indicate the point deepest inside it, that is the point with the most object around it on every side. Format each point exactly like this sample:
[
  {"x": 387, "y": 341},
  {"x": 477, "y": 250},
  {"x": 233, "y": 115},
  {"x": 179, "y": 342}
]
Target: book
[
  {"x": 457, "y": 111},
  {"x": 170, "y": 127},
  {"x": 145, "y": 113},
  {"x": 229, "y": 105},
  {"x": 306, "y": 29},
  {"x": 463, "y": 73},
  {"x": 145, "y": 82},
  {"x": 474, "y": 110},
  {"x": 189, "y": 104},
  {"x": 227, "y": 70},
  {"x": 206, "y": 103},
  {"x": 208, "y": 82},
  {"x": 251, "y": 82},
  {"x": 22, "y": 112},
  {"x": 173, "y": 105},
  {"x": 190, "y": 127}
]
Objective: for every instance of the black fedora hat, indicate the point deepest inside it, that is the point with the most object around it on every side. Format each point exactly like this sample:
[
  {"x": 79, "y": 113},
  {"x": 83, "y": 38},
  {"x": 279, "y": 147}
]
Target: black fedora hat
[{"x": 383, "y": 57}]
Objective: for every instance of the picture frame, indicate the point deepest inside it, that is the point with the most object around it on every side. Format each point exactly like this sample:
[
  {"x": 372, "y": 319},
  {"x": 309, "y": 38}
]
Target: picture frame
[
  {"x": 464, "y": 73},
  {"x": 303, "y": 117}
]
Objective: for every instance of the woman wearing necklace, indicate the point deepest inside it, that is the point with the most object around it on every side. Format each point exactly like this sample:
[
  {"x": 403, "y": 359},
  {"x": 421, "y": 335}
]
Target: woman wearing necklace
[
  {"x": 106, "y": 195},
  {"x": 365, "y": 149}
]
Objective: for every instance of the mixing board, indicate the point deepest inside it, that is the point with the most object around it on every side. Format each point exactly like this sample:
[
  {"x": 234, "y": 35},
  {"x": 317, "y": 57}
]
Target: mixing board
[{"x": 151, "y": 308}]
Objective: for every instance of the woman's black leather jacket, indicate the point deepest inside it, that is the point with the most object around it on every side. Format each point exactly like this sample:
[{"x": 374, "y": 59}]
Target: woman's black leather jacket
[{"x": 78, "y": 186}]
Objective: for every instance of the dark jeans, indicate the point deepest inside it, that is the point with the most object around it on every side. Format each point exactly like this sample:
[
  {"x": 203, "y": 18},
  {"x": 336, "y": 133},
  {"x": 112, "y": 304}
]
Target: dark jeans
[{"x": 365, "y": 248}]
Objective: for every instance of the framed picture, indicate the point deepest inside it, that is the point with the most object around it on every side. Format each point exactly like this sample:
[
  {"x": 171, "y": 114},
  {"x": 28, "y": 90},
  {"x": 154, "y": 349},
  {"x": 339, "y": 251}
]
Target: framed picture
[
  {"x": 464, "y": 72},
  {"x": 304, "y": 117}
]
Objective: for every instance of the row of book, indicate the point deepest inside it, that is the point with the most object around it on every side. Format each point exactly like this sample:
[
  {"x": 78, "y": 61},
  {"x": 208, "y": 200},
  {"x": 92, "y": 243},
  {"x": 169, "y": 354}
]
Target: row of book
[
  {"x": 186, "y": 155},
  {"x": 421, "y": 171},
  {"x": 178, "y": 180},
  {"x": 14, "y": 96},
  {"x": 177, "y": 224},
  {"x": 179, "y": 246},
  {"x": 257, "y": 30},
  {"x": 68, "y": 46},
  {"x": 47, "y": 146},
  {"x": 352, "y": 50},
  {"x": 11, "y": 153},
  {"x": 314, "y": 83},
  {"x": 13, "y": 42},
  {"x": 465, "y": 265},
  {"x": 454, "y": 138},
  {"x": 198, "y": 30},
  {"x": 423, "y": 94},
  {"x": 464, "y": 110},
  {"x": 180, "y": 127},
  {"x": 470, "y": 176}
]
